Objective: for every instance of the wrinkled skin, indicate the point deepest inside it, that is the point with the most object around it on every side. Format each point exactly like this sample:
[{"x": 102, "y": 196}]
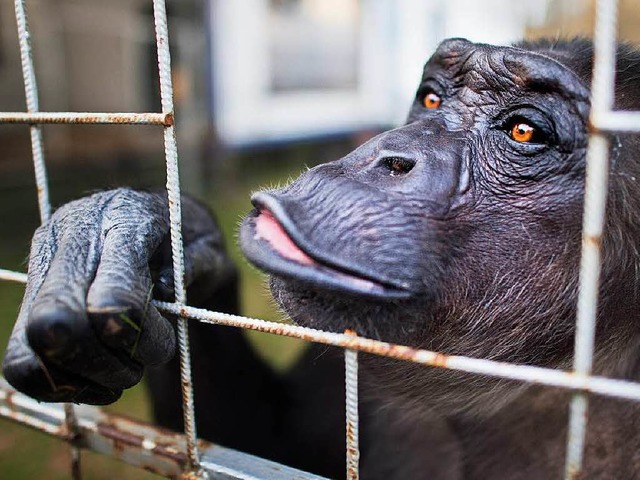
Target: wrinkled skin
[{"x": 449, "y": 233}]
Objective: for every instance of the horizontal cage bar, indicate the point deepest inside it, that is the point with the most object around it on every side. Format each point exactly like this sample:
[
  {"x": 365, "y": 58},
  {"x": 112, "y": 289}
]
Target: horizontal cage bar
[
  {"x": 615, "y": 121},
  {"x": 526, "y": 373},
  {"x": 164, "y": 119}
]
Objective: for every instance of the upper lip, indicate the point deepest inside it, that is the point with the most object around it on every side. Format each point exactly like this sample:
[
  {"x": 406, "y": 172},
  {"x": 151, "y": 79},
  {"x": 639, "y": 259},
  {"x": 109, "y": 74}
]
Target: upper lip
[{"x": 266, "y": 202}]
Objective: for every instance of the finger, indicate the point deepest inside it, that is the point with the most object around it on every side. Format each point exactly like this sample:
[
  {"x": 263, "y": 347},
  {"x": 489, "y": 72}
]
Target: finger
[
  {"x": 64, "y": 338},
  {"x": 29, "y": 374},
  {"x": 22, "y": 367},
  {"x": 58, "y": 329},
  {"x": 207, "y": 265},
  {"x": 50, "y": 384},
  {"x": 119, "y": 303},
  {"x": 142, "y": 335}
]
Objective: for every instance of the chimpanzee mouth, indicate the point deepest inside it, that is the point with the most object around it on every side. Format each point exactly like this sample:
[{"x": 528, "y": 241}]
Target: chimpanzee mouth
[{"x": 271, "y": 247}]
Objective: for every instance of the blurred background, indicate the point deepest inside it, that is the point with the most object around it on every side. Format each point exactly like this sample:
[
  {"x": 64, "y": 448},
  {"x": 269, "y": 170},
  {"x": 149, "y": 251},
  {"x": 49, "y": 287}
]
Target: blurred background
[{"x": 263, "y": 89}]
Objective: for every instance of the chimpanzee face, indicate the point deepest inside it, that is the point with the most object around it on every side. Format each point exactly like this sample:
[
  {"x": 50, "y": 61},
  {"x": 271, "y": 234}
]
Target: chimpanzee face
[
  {"x": 459, "y": 231},
  {"x": 477, "y": 196}
]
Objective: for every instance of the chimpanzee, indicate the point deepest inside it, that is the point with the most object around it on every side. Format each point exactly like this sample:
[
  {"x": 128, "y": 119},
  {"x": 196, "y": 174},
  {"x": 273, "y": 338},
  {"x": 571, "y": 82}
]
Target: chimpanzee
[{"x": 459, "y": 231}]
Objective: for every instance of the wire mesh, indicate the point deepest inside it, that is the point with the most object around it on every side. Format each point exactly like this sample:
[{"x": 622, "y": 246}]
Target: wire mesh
[{"x": 86, "y": 426}]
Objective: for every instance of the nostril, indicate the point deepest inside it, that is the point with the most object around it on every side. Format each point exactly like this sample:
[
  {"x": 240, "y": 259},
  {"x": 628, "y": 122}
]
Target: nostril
[{"x": 398, "y": 165}]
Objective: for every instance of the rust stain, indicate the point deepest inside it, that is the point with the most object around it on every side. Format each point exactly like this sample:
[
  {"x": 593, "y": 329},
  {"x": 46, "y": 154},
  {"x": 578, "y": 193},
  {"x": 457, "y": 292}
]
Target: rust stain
[
  {"x": 192, "y": 475},
  {"x": 9, "y": 400},
  {"x": 120, "y": 438},
  {"x": 574, "y": 473},
  {"x": 186, "y": 384},
  {"x": 440, "y": 360},
  {"x": 353, "y": 454},
  {"x": 172, "y": 453},
  {"x": 593, "y": 240},
  {"x": 169, "y": 120}
]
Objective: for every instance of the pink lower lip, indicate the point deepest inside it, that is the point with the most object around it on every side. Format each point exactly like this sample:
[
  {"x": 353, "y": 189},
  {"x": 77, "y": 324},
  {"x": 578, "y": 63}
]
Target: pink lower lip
[{"x": 268, "y": 229}]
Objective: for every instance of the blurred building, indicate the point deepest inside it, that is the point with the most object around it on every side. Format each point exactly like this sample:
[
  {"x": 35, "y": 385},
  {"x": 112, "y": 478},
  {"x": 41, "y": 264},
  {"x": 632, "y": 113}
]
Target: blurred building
[
  {"x": 286, "y": 69},
  {"x": 249, "y": 72},
  {"x": 569, "y": 18},
  {"x": 92, "y": 55}
]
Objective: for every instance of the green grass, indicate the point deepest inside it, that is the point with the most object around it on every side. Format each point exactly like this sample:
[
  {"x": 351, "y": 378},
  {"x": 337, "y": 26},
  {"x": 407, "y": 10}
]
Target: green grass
[{"x": 26, "y": 454}]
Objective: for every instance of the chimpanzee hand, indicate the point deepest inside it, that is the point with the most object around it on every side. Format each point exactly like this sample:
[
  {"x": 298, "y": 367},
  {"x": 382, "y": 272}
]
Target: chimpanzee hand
[{"x": 87, "y": 327}]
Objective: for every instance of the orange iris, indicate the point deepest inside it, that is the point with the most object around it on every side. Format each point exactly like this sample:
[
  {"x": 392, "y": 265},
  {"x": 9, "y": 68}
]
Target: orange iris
[
  {"x": 522, "y": 132},
  {"x": 431, "y": 100}
]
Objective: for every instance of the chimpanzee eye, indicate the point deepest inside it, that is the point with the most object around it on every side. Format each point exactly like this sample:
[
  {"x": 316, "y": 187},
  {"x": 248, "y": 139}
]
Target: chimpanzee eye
[
  {"x": 431, "y": 100},
  {"x": 522, "y": 130},
  {"x": 398, "y": 165}
]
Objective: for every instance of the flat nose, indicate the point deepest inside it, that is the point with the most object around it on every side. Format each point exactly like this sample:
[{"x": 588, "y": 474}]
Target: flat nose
[
  {"x": 422, "y": 159},
  {"x": 403, "y": 149}
]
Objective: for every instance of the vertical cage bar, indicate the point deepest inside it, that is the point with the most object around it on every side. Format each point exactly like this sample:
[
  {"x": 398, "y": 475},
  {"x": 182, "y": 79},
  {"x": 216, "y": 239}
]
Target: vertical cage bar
[
  {"x": 71, "y": 423},
  {"x": 40, "y": 170},
  {"x": 31, "y": 94},
  {"x": 351, "y": 404},
  {"x": 175, "y": 215},
  {"x": 595, "y": 198}
]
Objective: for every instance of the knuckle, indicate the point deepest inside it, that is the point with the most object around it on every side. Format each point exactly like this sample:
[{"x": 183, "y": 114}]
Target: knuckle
[{"x": 117, "y": 326}]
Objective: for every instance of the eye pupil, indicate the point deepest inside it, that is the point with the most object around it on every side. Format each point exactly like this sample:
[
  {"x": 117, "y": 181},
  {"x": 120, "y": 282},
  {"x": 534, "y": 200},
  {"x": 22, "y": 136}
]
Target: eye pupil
[
  {"x": 522, "y": 132},
  {"x": 432, "y": 100}
]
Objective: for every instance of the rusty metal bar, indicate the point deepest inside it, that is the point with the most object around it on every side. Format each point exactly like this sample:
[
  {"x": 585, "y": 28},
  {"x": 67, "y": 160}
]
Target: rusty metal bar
[
  {"x": 524, "y": 373},
  {"x": 154, "y": 449},
  {"x": 73, "y": 432},
  {"x": 352, "y": 417},
  {"x": 121, "y": 118},
  {"x": 595, "y": 200},
  {"x": 40, "y": 170},
  {"x": 621, "y": 121},
  {"x": 175, "y": 217},
  {"x": 11, "y": 276},
  {"x": 31, "y": 94}
]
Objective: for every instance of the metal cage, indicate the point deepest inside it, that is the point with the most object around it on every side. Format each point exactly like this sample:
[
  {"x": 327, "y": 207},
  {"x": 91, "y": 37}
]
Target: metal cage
[{"x": 177, "y": 455}]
